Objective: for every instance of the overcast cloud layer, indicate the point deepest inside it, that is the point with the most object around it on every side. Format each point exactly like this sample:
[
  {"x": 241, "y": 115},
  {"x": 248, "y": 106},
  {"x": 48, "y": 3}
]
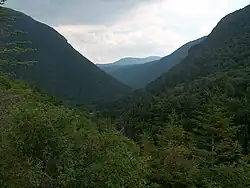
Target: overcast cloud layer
[{"x": 107, "y": 30}]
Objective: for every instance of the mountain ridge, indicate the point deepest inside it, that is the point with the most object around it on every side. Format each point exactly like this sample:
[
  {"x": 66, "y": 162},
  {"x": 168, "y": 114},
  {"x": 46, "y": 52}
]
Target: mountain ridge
[
  {"x": 132, "y": 60},
  {"x": 215, "y": 71},
  {"x": 63, "y": 71},
  {"x": 138, "y": 76},
  {"x": 188, "y": 128}
]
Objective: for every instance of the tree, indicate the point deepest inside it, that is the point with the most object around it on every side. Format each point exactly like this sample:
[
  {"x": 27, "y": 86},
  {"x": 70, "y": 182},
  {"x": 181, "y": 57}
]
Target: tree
[
  {"x": 215, "y": 135},
  {"x": 9, "y": 51},
  {"x": 43, "y": 144},
  {"x": 2, "y": 2}
]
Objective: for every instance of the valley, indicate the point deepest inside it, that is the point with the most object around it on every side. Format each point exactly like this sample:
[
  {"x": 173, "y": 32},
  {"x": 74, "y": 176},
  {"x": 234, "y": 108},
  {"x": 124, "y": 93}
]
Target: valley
[{"x": 178, "y": 121}]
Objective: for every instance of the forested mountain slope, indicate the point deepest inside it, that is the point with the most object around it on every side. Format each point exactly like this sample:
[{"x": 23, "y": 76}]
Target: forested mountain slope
[
  {"x": 221, "y": 62},
  {"x": 138, "y": 76},
  {"x": 44, "y": 144},
  {"x": 59, "y": 69},
  {"x": 195, "y": 118},
  {"x": 226, "y": 48}
]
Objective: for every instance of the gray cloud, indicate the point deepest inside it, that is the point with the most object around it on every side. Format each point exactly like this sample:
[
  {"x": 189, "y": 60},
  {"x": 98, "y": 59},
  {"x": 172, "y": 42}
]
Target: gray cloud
[{"x": 56, "y": 12}]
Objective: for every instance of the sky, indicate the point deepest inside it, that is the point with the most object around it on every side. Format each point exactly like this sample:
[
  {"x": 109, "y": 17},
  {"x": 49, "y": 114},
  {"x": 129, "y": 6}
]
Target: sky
[{"x": 107, "y": 30}]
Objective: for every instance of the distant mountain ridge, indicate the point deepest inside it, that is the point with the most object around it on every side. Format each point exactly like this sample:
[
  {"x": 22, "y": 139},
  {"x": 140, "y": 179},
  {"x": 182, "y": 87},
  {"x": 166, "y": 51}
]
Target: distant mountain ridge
[
  {"x": 125, "y": 62},
  {"x": 134, "y": 60},
  {"x": 60, "y": 70},
  {"x": 139, "y": 75}
]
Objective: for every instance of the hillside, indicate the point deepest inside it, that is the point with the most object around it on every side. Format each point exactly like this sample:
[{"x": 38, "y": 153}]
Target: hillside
[
  {"x": 196, "y": 116},
  {"x": 60, "y": 70},
  {"x": 138, "y": 76},
  {"x": 60, "y": 147},
  {"x": 225, "y": 49},
  {"x": 222, "y": 57}
]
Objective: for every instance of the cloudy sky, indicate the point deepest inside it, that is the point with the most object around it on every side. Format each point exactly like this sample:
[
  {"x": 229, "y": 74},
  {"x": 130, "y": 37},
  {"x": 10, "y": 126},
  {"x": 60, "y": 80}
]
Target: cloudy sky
[{"x": 107, "y": 30}]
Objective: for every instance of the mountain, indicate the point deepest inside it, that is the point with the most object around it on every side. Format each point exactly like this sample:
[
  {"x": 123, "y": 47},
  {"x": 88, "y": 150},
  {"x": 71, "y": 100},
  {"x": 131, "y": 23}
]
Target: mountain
[
  {"x": 224, "y": 50},
  {"x": 138, "y": 76},
  {"x": 217, "y": 69},
  {"x": 133, "y": 61},
  {"x": 59, "y": 69},
  {"x": 190, "y": 127},
  {"x": 52, "y": 145},
  {"x": 123, "y": 63},
  {"x": 195, "y": 118}
]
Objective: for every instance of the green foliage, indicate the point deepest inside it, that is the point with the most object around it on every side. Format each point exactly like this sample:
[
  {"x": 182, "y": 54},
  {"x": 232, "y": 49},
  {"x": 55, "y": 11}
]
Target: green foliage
[
  {"x": 191, "y": 126},
  {"x": 44, "y": 144},
  {"x": 9, "y": 51},
  {"x": 48, "y": 145},
  {"x": 193, "y": 122}
]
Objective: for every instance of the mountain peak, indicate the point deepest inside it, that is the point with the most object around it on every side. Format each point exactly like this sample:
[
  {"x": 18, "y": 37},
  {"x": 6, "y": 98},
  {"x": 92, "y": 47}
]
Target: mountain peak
[{"x": 60, "y": 70}]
